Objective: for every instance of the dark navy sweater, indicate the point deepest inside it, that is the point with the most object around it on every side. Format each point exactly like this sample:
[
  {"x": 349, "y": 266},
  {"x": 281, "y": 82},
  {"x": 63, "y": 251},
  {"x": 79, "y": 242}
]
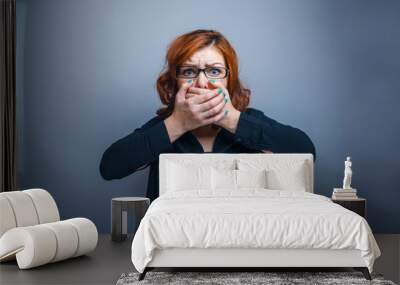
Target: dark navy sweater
[{"x": 255, "y": 132}]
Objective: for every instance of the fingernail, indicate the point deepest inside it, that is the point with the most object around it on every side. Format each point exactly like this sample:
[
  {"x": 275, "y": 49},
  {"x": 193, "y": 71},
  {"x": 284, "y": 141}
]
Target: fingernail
[
  {"x": 226, "y": 112},
  {"x": 226, "y": 100},
  {"x": 219, "y": 90},
  {"x": 189, "y": 81},
  {"x": 212, "y": 81}
]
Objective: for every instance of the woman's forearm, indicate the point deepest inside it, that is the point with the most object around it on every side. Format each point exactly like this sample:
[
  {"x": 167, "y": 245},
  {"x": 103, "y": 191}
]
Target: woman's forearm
[
  {"x": 136, "y": 150},
  {"x": 174, "y": 128},
  {"x": 232, "y": 121},
  {"x": 257, "y": 131}
]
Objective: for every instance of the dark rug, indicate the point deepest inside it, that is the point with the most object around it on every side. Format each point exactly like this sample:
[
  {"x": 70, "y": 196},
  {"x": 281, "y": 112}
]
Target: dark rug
[{"x": 229, "y": 278}]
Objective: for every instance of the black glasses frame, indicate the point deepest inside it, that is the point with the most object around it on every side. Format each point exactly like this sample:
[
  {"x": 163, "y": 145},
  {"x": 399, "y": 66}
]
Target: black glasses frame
[{"x": 201, "y": 70}]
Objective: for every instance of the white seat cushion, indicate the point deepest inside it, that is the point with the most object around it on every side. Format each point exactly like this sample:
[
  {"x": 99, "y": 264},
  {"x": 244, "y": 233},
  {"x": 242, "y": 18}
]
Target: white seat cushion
[
  {"x": 30, "y": 230},
  {"x": 40, "y": 244},
  {"x": 23, "y": 208},
  {"x": 46, "y": 207},
  {"x": 26, "y": 208},
  {"x": 7, "y": 220},
  {"x": 67, "y": 237}
]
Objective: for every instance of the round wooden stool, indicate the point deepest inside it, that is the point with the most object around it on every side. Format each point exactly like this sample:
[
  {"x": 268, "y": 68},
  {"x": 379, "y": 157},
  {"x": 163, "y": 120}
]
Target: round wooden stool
[{"x": 121, "y": 208}]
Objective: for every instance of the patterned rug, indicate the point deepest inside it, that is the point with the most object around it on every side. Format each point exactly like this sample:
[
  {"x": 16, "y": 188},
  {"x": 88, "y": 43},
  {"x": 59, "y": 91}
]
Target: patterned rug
[{"x": 270, "y": 278}]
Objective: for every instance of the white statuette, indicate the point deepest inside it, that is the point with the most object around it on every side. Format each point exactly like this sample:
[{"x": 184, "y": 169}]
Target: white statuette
[
  {"x": 347, "y": 174},
  {"x": 347, "y": 192}
]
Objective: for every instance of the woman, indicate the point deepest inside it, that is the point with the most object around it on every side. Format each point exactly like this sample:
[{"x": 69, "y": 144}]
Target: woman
[{"x": 206, "y": 111}]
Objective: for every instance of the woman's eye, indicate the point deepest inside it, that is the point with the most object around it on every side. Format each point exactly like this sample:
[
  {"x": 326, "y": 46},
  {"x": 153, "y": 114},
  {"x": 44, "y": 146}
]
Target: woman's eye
[
  {"x": 215, "y": 71},
  {"x": 189, "y": 71}
]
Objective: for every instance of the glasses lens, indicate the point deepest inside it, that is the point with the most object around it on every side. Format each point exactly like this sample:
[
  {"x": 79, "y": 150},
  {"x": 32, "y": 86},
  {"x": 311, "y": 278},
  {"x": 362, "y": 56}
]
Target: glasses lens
[
  {"x": 193, "y": 72},
  {"x": 187, "y": 72},
  {"x": 216, "y": 72}
]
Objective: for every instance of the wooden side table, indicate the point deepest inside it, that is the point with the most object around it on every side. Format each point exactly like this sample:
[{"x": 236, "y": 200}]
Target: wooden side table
[
  {"x": 358, "y": 205},
  {"x": 121, "y": 208}
]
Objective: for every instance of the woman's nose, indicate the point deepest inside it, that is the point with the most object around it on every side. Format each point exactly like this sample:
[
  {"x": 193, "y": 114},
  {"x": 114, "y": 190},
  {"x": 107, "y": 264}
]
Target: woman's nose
[{"x": 202, "y": 80}]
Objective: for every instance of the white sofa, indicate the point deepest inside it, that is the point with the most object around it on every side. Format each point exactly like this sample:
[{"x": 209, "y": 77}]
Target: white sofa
[{"x": 31, "y": 231}]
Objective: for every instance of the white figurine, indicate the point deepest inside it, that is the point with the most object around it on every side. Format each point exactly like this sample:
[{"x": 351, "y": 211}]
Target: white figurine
[{"x": 347, "y": 174}]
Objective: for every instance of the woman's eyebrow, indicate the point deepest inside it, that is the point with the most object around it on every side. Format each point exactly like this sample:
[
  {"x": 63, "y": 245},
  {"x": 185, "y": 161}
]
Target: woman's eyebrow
[
  {"x": 215, "y": 63},
  {"x": 207, "y": 64}
]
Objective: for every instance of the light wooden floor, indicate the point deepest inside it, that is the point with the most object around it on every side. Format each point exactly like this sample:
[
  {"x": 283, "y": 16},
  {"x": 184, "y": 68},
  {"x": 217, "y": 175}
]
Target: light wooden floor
[{"x": 111, "y": 259}]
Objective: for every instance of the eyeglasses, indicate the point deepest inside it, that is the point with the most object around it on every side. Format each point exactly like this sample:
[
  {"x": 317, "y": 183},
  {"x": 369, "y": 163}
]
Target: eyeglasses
[{"x": 189, "y": 71}]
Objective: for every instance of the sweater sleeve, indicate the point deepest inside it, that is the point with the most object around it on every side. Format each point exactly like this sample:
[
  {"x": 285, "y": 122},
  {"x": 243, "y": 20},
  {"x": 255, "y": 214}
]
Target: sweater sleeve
[
  {"x": 136, "y": 150},
  {"x": 257, "y": 131}
]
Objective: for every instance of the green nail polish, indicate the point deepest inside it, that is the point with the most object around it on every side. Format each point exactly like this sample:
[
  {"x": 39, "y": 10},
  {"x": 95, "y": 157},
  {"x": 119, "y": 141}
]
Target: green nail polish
[
  {"x": 212, "y": 81},
  {"x": 226, "y": 100},
  {"x": 226, "y": 112},
  {"x": 219, "y": 90},
  {"x": 189, "y": 81}
]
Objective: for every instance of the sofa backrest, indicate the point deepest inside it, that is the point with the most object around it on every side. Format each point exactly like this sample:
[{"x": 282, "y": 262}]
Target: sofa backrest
[
  {"x": 288, "y": 166},
  {"x": 26, "y": 208}
]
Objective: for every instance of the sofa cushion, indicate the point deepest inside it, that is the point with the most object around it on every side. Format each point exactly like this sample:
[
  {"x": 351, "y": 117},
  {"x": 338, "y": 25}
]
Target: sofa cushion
[
  {"x": 46, "y": 243},
  {"x": 27, "y": 208}
]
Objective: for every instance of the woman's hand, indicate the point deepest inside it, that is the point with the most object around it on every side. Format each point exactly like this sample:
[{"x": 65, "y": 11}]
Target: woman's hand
[
  {"x": 231, "y": 115},
  {"x": 196, "y": 107}
]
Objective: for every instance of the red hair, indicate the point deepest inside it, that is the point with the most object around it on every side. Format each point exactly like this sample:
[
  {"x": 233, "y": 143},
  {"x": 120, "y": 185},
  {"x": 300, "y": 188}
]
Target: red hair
[{"x": 181, "y": 49}]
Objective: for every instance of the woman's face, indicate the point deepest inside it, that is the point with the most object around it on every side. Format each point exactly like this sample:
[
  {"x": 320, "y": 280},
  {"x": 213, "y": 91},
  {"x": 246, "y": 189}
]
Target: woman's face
[{"x": 208, "y": 56}]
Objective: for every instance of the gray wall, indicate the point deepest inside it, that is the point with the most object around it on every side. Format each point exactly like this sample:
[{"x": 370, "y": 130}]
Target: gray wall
[{"x": 330, "y": 68}]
